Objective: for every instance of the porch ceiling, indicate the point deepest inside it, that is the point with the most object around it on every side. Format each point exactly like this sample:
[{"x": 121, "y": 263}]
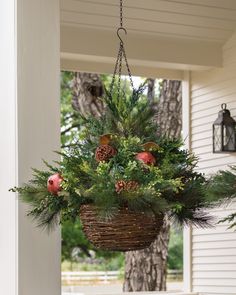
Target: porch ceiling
[{"x": 164, "y": 36}]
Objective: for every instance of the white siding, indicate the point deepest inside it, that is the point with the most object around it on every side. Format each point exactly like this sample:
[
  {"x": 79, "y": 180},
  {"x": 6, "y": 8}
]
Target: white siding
[{"x": 213, "y": 250}]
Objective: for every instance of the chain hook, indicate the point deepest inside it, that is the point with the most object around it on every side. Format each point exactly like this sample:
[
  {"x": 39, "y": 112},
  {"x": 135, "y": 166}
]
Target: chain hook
[{"x": 118, "y": 34}]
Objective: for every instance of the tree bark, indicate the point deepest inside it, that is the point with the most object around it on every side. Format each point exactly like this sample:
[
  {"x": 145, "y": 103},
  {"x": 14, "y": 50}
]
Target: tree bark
[
  {"x": 151, "y": 90},
  {"x": 169, "y": 109},
  {"x": 146, "y": 270},
  {"x": 87, "y": 91}
]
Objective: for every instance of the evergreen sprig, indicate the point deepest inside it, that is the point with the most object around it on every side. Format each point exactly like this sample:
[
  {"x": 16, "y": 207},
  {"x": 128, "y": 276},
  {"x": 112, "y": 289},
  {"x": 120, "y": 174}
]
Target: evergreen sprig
[{"x": 222, "y": 185}]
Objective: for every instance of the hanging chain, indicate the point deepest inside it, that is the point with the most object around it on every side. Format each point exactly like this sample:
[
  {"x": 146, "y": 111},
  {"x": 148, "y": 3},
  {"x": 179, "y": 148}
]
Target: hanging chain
[
  {"x": 121, "y": 13},
  {"x": 120, "y": 56},
  {"x": 119, "y": 75},
  {"x": 128, "y": 69},
  {"x": 115, "y": 70}
]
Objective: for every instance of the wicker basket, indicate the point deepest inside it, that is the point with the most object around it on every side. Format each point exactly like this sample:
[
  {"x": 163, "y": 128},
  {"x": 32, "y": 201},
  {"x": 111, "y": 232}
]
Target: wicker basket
[{"x": 126, "y": 231}]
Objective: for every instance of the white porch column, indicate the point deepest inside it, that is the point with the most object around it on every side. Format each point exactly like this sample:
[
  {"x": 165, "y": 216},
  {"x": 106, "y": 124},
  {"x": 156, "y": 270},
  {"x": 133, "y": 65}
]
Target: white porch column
[
  {"x": 29, "y": 129},
  {"x": 187, "y": 142}
]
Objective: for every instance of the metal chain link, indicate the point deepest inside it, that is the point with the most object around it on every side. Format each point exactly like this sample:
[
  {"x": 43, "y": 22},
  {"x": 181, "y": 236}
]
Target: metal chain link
[
  {"x": 121, "y": 13},
  {"x": 128, "y": 69},
  {"x": 120, "y": 70},
  {"x": 115, "y": 70},
  {"x": 119, "y": 61}
]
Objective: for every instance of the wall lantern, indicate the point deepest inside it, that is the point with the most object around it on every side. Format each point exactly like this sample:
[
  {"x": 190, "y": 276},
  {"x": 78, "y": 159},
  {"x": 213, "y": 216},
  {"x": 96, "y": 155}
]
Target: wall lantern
[{"x": 224, "y": 132}]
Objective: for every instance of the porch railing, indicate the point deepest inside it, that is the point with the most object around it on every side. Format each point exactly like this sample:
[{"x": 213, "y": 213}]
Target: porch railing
[{"x": 74, "y": 278}]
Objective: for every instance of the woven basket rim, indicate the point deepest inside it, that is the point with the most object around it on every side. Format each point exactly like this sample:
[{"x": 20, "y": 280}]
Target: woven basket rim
[
  {"x": 125, "y": 231},
  {"x": 124, "y": 207}
]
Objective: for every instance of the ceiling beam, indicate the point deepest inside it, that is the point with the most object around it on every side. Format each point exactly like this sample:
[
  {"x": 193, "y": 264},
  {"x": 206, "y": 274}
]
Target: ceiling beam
[
  {"x": 96, "y": 64},
  {"x": 94, "y": 50}
]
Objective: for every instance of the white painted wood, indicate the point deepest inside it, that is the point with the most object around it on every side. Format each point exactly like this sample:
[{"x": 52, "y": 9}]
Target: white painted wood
[
  {"x": 144, "y": 26},
  {"x": 38, "y": 135},
  {"x": 225, "y": 236},
  {"x": 213, "y": 268},
  {"x": 101, "y": 65},
  {"x": 187, "y": 259},
  {"x": 8, "y": 156},
  {"x": 213, "y": 249},
  {"x": 213, "y": 92},
  {"x": 30, "y": 129},
  {"x": 187, "y": 141},
  {"x": 79, "y": 52},
  {"x": 213, "y": 253},
  {"x": 198, "y": 122},
  {"x": 179, "y": 19},
  {"x": 215, "y": 245},
  {"x": 214, "y": 260},
  {"x": 152, "y": 293},
  {"x": 145, "y": 14},
  {"x": 186, "y": 109},
  {"x": 230, "y": 4},
  {"x": 222, "y": 290},
  {"x": 209, "y": 282},
  {"x": 215, "y": 275},
  {"x": 206, "y": 105},
  {"x": 181, "y": 35}
]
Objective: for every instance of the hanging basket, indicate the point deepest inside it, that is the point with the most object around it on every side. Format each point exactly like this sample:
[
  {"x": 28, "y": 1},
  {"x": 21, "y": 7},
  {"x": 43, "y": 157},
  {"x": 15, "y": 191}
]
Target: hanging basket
[{"x": 126, "y": 231}]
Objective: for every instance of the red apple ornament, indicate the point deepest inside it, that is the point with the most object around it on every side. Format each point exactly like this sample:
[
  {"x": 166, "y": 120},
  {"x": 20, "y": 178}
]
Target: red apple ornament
[
  {"x": 146, "y": 157},
  {"x": 54, "y": 183}
]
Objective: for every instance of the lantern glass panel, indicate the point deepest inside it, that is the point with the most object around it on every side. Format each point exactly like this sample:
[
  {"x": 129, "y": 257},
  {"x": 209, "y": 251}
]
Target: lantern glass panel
[
  {"x": 228, "y": 138},
  {"x": 217, "y": 138}
]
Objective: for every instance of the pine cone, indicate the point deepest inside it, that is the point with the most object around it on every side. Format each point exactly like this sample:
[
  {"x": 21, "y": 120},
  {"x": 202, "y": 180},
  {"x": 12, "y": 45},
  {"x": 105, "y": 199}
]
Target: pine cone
[
  {"x": 120, "y": 186},
  {"x": 131, "y": 185},
  {"x": 104, "y": 152}
]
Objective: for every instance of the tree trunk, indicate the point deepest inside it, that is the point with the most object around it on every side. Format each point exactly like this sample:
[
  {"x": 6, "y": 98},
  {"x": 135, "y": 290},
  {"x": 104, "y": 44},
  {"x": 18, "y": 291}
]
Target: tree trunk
[
  {"x": 169, "y": 109},
  {"x": 87, "y": 91},
  {"x": 146, "y": 270}
]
